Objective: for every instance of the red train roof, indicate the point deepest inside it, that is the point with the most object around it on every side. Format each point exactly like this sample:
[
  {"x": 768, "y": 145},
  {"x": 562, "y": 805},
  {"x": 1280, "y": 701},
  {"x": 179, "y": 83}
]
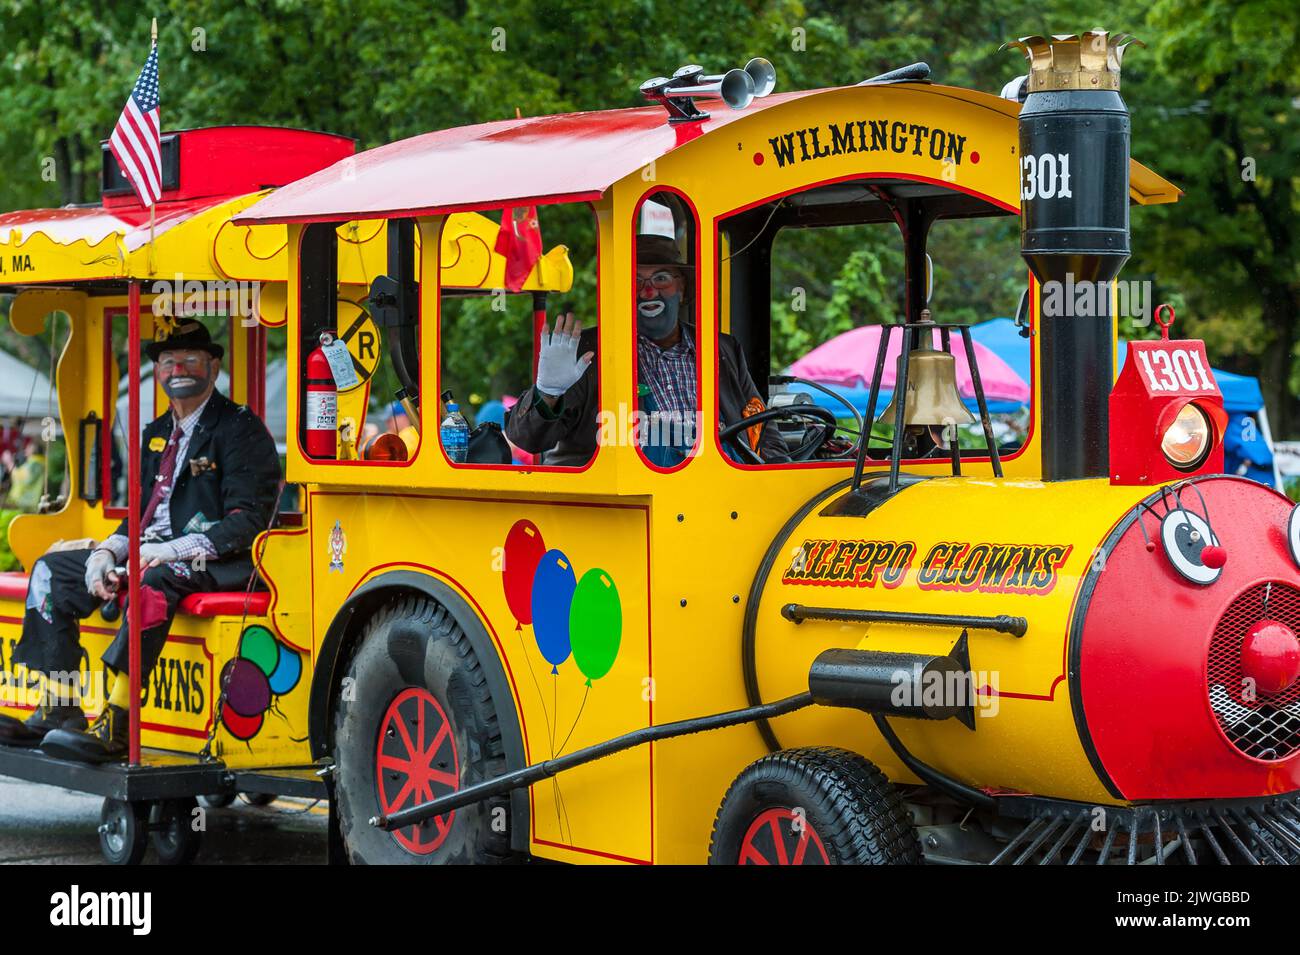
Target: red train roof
[{"x": 570, "y": 157}]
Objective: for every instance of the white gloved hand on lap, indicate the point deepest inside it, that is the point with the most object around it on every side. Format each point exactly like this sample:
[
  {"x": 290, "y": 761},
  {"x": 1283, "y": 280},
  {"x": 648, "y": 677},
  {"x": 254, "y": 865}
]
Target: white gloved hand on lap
[
  {"x": 98, "y": 565},
  {"x": 558, "y": 364}
]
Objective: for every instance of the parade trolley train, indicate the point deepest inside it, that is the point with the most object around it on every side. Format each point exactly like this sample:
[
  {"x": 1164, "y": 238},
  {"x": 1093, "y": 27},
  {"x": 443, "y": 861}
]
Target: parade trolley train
[{"x": 1082, "y": 650}]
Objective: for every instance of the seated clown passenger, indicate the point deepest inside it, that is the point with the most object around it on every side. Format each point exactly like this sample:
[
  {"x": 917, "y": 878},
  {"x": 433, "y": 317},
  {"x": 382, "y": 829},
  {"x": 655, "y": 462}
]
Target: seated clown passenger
[
  {"x": 210, "y": 479},
  {"x": 557, "y": 417}
]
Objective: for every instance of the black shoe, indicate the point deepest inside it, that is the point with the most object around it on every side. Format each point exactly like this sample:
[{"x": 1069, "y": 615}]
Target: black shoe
[
  {"x": 32, "y": 731},
  {"x": 104, "y": 742}
]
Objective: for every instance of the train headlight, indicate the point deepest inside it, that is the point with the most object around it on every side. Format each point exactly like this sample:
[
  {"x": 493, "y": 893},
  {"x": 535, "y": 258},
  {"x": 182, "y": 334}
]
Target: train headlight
[{"x": 1187, "y": 441}]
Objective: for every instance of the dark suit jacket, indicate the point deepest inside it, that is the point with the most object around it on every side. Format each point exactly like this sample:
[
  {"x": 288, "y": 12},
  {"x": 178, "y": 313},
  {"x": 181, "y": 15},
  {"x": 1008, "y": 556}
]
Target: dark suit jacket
[
  {"x": 235, "y": 496},
  {"x": 569, "y": 432}
]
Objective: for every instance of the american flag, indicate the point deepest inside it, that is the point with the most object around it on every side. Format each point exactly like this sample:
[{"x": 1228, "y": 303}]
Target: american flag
[{"x": 137, "y": 139}]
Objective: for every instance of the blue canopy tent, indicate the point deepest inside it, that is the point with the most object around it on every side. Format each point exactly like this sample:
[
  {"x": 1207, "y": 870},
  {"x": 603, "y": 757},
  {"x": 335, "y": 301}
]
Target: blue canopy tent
[
  {"x": 858, "y": 398},
  {"x": 1247, "y": 445},
  {"x": 999, "y": 335},
  {"x": 1002, "y": 335}
]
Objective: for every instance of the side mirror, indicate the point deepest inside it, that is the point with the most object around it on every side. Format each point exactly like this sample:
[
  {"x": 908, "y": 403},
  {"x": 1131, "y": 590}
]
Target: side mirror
[{"x": 1022, "y": 314}]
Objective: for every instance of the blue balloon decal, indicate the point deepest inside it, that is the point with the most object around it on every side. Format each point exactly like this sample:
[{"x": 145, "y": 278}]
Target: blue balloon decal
[
  {"x": 553, "y": 587},
  {"x": 288, "y": 669}
]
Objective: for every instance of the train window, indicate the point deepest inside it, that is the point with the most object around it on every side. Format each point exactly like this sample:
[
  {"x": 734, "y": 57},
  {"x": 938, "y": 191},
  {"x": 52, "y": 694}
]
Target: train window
[
  {"x": 509, "y": 356},
  {"x": 980, "y": 280},
  {"x": 805, "y": 284},
  {"x": 360, "y": 400},
  {"x": 666, "y": 306},
  {"x": 33, "y": 453}
]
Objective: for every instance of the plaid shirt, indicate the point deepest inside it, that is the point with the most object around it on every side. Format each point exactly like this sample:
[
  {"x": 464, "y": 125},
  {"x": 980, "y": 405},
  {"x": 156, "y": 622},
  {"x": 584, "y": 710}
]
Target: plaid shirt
[
  {"x": 160, "y": 528},
  {"x": 669, "y": 373}
]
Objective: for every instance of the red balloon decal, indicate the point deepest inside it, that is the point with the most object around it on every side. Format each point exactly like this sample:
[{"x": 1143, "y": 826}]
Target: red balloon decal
[
  {"x": 523, "y": 552},
  {"x": 241, "y": 727}
]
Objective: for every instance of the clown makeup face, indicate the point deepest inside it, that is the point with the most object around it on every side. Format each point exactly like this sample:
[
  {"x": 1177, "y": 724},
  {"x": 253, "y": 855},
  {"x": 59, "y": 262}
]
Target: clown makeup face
[
  {"x": 186, "y": 373},
  {"x": 659, "y": 299}
]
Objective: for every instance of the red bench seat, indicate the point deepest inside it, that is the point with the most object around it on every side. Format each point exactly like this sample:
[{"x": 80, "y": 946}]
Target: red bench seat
[{"x": 13, "y": 586}]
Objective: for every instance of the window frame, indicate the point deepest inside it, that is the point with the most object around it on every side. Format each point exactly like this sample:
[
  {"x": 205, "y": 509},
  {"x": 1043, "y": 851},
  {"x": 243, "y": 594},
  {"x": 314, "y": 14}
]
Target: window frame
[
  {"x": 698, "y": 447},
  {"x": 601, "y": 347},
  {"x": 299, "y": 409},
  {"x": 984, "y": 458}
]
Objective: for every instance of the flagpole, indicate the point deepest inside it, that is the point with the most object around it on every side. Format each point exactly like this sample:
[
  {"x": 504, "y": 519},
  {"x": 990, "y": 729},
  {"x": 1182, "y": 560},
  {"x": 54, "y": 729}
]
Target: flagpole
[{"x": 153, "y": 206}]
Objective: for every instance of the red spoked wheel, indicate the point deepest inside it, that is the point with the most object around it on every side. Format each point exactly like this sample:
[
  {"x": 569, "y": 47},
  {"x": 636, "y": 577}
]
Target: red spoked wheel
[
  {"x": 416, "y": 761},
  {"x": 817, "y": 805},
  {"x": 782, "y": 837}
]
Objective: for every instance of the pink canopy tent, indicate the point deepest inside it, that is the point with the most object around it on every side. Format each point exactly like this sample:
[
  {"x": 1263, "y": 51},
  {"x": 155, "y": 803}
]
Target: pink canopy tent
[{"x": 849, "y": 360}]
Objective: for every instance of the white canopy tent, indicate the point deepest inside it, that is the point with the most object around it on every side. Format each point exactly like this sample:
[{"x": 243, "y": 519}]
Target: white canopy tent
[{"x": 24, "y": 391}]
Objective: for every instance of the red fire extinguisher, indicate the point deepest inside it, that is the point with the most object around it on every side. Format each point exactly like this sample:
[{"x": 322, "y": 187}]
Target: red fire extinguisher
[{"x": 322, "y": 405}]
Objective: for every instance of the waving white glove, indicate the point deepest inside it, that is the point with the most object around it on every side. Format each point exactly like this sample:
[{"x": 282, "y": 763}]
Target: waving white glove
[
  {"x": 98, "y": 565},
  {"x": 558, "y": 364}
]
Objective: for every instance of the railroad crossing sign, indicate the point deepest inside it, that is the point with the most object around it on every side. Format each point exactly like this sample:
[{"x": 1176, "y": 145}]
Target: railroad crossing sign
[{"x": 358, "y": 331}]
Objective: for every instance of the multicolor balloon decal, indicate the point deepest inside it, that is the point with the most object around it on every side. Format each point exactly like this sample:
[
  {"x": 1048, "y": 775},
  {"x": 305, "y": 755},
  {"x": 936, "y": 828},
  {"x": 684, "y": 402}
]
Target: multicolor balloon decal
[
  {"x": 595, "y": 624},
  {"x": 264, "y": 669},
  {"x": 569, "y": 617},
  {"x": 553, "y": 588},
  {"x": 582, "y": 619}
]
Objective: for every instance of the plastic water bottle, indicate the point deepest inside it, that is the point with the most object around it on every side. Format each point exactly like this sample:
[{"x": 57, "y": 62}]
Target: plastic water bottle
[{"x": 454, "y": 433}]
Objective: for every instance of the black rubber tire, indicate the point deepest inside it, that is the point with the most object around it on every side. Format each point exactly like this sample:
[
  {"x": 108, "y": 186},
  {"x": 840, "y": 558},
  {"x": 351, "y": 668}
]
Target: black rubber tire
[
  {"x": 258, "y": 799},
  {"x": 128, "y": 838},
  {"x": 415, "y": 642},
  {"x": 216, "y": 800},
  {"x": 171, "y": 831},
  {"x": 857, "y": 814}
]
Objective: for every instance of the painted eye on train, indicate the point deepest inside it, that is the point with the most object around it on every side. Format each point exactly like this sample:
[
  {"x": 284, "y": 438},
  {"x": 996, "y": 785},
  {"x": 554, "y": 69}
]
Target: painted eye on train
[
  {"x": 1293, "y": 534},
  {"x": 1191, "y": 546}
]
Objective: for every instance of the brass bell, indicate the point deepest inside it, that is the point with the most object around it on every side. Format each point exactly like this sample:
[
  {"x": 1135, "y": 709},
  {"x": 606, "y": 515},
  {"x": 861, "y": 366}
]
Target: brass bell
[{"x": 932, "y": 397}]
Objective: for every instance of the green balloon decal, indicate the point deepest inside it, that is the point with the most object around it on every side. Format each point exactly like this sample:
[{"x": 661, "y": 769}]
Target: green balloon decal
[
  {"x": 259, "y": 646},
  {"x": 595, "y": 624}
]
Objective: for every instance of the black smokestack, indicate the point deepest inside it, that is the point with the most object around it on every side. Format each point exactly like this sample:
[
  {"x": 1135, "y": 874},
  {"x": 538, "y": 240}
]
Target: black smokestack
[{"x": 1074, "y": 199}]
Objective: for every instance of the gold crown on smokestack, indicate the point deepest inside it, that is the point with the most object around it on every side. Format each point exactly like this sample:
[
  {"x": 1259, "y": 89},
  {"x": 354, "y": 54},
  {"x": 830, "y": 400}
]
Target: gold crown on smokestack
[{"x": 1074, "y": 61}]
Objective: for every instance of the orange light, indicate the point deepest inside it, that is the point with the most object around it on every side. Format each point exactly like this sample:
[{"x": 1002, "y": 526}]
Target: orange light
[
  {"x": 385, "y": 447},
  {"x": 1187, "y": 441}
]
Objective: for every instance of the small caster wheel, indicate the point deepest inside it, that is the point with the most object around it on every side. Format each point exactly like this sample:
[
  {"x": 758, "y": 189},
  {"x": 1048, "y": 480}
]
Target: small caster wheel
[
  {"x": 258, "y": 799},
  {"x": 217, "y": 800},
  {"x": 172, "y": 832},
  {"x": 123, "y": 836}
]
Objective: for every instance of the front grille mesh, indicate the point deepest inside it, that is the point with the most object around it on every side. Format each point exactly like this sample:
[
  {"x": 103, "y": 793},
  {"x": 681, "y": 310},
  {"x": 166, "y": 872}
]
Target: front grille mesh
[
  {"x": 1266, "y": 727},
  {"x": 1230, "y": 832}
]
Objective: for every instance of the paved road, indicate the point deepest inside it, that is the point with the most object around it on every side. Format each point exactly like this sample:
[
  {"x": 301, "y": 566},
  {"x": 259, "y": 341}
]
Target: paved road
[{"x": 47, "y": 825}]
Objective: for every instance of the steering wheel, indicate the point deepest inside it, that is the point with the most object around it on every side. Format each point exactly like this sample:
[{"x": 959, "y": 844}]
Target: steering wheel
[{"x": 825, "y": 425}]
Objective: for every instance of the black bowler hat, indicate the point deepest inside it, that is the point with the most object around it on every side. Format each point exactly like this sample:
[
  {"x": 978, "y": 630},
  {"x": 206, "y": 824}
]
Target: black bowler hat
[
  {"x": 659, "y": 250},
  {"x": 185, "y": 334}
]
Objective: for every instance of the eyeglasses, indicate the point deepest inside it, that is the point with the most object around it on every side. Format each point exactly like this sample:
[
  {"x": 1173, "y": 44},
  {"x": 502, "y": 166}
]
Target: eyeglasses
[
  {"x": 190, "y": 362},
  {"x": 659, "y": 281}
]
